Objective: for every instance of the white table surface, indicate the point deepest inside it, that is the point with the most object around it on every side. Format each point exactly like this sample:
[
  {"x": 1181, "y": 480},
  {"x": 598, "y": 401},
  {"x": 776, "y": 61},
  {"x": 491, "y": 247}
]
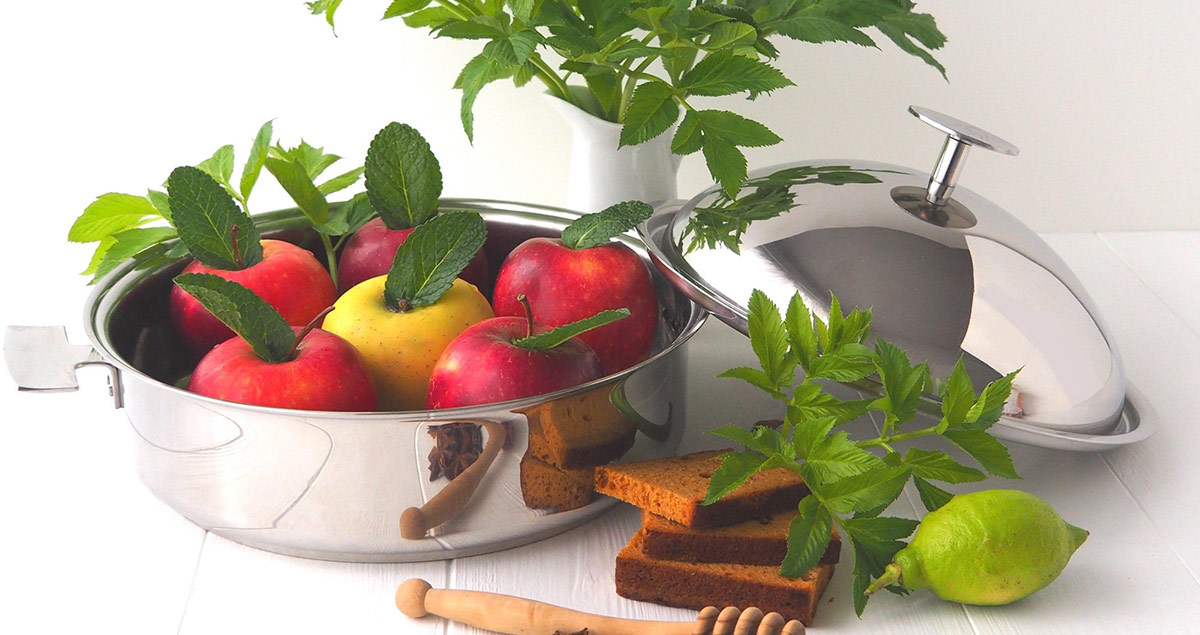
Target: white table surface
[{"x": 85, "y": 547}]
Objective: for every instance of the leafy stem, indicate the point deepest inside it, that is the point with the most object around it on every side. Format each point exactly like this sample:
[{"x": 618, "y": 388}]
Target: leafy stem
[{"x": 851, "y": 486}]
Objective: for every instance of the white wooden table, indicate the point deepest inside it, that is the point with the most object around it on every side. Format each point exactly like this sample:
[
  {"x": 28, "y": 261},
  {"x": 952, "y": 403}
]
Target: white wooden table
[{"x": 84, "y": 547}]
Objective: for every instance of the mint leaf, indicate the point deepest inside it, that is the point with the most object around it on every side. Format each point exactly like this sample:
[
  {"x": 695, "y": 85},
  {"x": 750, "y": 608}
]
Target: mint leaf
[
  {"x": 243, "y": 312},
  {"x": 937, "y": 466},
  {"x": 983, "y": 447},
  {"x": 932, "y": 496},
  {"x": 866, "y": 491},
  {"x": 295, "y": 181},
  {"x": 651, "y": 110},
  {"x": 558, "y": 335},
  {"x": 259, "y": 150},
  {"x": 431, "y": 258},
  {"x": 726, "y": 73},
  {"x": 808, "y": 538},
  {"x": 207, "y": 220},
  {"x": 111, "y": 213},
  {"x": 592, "y": 230},
  {"x": 220, "y": 166},
  {"x": 404, "y": 180}
]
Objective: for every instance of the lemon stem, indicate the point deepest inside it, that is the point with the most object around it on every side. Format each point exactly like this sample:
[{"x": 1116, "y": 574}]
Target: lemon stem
[{"x": 890, "y": 577}]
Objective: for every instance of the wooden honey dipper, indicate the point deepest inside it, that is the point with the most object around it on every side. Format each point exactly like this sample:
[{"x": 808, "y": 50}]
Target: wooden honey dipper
[{"x": 519, "y": 616}]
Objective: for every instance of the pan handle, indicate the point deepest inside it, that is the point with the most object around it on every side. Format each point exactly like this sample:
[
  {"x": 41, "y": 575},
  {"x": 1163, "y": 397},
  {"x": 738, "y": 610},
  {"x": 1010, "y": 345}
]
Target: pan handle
[
  {"x": 40, "y": 359},
  {"x": 415, "y": 522}
]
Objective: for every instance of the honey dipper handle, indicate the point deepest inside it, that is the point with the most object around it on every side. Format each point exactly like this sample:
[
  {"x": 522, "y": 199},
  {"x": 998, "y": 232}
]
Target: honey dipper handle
[
  {"x": 519, "y": 616},
  {"x": 415, "y": 522}
]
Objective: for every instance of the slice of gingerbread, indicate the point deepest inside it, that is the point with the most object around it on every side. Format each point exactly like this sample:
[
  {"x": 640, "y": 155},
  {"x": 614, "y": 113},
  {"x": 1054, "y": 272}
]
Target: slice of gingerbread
[
  {"x": 762, "y": 541},
  {"x": 674, "y": 488}
]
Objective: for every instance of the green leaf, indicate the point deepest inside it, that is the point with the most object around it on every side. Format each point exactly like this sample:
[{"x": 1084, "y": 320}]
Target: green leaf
[
  {"x": 341, "y": 181},
  {"x": 111, "y": 213},
  {"x": 403, "y": 178},
  {"x": 521, "y": 9},
  {"x": 987, "y": 409},
  {"x": 837, "y": 457},
  {"x": 736, "y": 468},
  {"x": 401, "y": 7},
  {"x": 808, "y": 435},
  {"x": 299, "y": 186},
  {"x": 479, "y": 72},
  {"x": 983, "y": 447},
  {"x": 818, "y": 28},
  {"x": 937, "y": 466},
  {"x": 432, "y": 17},
  {"x": 809, "y": 401},
  {"x": 725, "y": 162},
  {"x": 353, "y": 213},
  {"x": 125, "y": 245},
  {"x": 207, "y": 220},
  {"x": 515, "y": 49},
  {"x": 651, "y": 110},
  {"x": 727, "y": 35},
  {"x": 593, "y": 230},
  {"x": 431, "y": 258},
  {"x": 753, "y": 376},
  {"x": 243, "y": 312},
  {"x": 958, "y": 395},
  {"x": 219, "y": 166},
  {"x": 328, "y": 7},
  {"x": 843, "y": 368},
  {"x": 868, "y": 490},
  {"x": 736, "y": 129},
  {"x": 258, "y": 152},
  {"x": 761, "y": 438},
  {"x": 900, "y": 28},
  {"x": 808, "y": 538},
  {"x": 161, "y": 202},
  {"x": 769, "y": 341},
  {"x": 875, "y": 542},
  {"x": 725, "y": 73},
  {"x": 558, "y": 335},
  {"x": 688, "y": 137},
  {"x": 932, "y": 496},
  {"x": 313, "y": 159},
  {"x": 801, "y": 336}
]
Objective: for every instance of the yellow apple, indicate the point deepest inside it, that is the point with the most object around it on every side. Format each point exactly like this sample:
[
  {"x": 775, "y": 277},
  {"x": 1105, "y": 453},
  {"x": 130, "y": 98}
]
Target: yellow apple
[{"x": 402, "y": 347}]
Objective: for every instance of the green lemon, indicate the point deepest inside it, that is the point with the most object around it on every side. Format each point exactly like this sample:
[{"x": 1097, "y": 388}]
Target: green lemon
[{"x": 989, "y": 547}]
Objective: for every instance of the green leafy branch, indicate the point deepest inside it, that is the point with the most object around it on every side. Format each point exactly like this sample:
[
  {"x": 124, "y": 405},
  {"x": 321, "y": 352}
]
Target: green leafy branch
[
  {"x": 853, "y": 481},
  {"x": 128, "y": 226},
  {"x": 640, "y": 63}
]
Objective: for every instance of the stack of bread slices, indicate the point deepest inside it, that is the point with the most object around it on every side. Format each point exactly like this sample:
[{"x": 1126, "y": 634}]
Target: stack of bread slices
[{"x": 690, "y": 555}]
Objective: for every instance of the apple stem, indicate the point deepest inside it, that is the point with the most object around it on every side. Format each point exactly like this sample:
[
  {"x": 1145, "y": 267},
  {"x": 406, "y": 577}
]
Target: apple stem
[
  {"x": 291, "y": 354},
  {"x": 528, "y": 314},
  {"x": 237, "y": 250}
]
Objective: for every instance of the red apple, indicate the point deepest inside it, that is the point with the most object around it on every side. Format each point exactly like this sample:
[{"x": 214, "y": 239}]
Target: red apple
[
  {"x": 324, "y": 373},
  {"x": 483, "y": 365},
  {"x": 564, "y": 285},
  {"x": 372, "y": 249},
  {"x": 288, "y": 277}
]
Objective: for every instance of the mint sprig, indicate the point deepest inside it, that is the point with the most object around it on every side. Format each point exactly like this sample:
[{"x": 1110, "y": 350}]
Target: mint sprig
[
  {"x": 593, "y": 230},
  {"x": 216, "y": 231},
  {"x": 853, "y": 481},
  {"x": 431, "y": 258},
  {"x": 246, "y": 314},
  {"x": 558, "y": 335},
  {"x": 404, "y": 179}
]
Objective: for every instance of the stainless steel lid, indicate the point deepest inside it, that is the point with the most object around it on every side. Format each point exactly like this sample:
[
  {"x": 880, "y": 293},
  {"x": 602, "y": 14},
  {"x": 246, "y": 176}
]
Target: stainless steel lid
[{"x": 946, "y": 272}]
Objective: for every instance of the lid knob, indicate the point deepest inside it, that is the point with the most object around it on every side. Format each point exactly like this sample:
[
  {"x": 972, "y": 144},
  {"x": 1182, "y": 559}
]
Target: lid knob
[{"x": 960, "y": 136}]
